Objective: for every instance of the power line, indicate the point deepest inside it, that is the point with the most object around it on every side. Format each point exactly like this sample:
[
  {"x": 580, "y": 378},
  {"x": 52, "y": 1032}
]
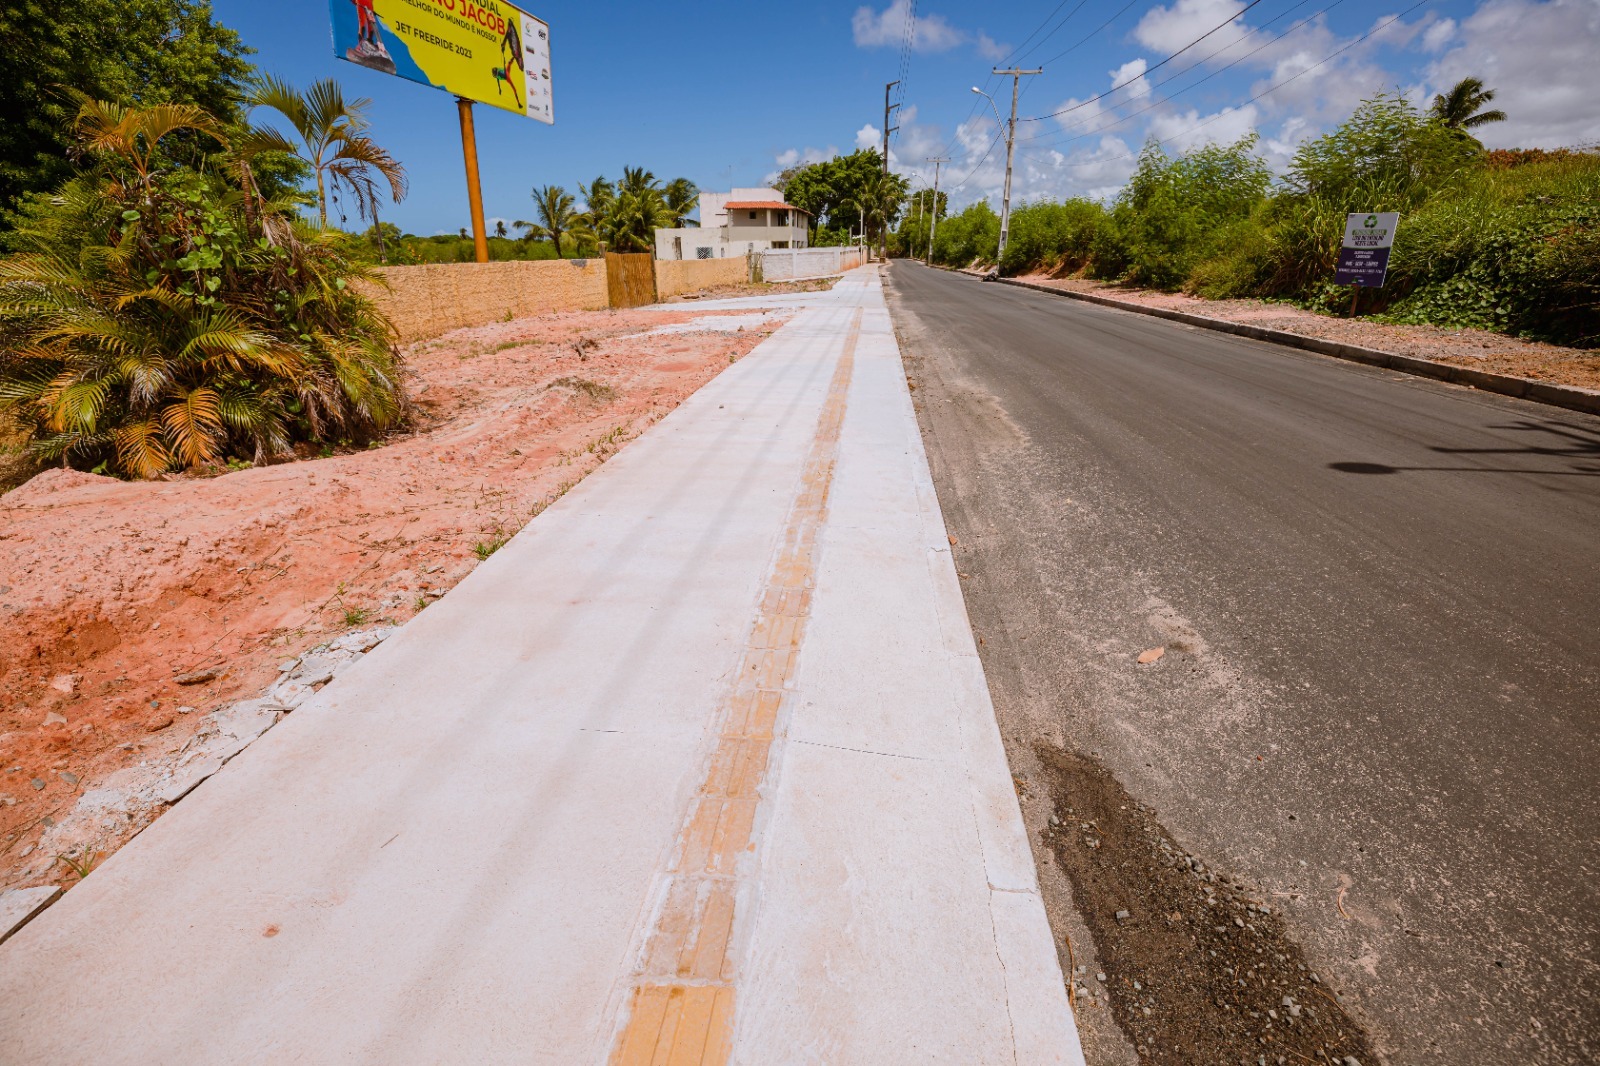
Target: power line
[
  {"x": 1267, "y": 91},
  {"x": 907, "y": 45},
  {"x": 1057, "y": 29},
  {"x": 1146, "y": 71},
  {"x": 1086, "y": 38},
  {"x": 1043, "y": 143}
]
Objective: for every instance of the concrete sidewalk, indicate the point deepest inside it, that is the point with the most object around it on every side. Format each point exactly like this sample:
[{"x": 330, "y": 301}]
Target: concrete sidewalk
[{"x": 701, "y": 767}]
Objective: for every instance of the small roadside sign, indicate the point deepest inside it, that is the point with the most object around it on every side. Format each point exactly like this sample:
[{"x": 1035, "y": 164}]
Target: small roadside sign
[{"x": 1364, "y": 257}]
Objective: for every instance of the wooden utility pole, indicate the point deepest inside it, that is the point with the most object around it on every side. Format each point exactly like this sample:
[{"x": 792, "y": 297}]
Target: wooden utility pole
[
  {"x": 1011, "y": 147},
  {"x": 469, "y": 148},
  {"x": 888, "y": 109},
  {"x": 933, "y": 224}
]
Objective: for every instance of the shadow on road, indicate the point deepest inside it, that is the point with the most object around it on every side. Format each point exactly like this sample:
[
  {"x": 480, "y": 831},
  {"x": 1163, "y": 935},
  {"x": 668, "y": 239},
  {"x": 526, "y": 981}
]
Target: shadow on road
[{"x": 1574, "y": 442}]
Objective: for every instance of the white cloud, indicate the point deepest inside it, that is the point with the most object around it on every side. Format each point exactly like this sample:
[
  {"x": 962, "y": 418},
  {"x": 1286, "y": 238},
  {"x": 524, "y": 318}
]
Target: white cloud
[
  {"x": 793, "y": 157},
  {"x": 991, "y": 49},
  {"x": 1539, "y": 57},
  {"x": 887, "y": 28},
  {"x": 1168, "y": 29},
  {"x": 1439, "y": 34},
  {"x": 1183, "y": 131},
  {"x": 1132, "y": 72},
  {"x": 931, "y": 33},
  {"x": 869, "y": 136}
]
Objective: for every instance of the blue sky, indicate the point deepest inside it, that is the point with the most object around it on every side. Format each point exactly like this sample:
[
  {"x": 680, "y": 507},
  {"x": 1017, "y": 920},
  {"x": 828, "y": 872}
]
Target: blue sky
[{"x": 725, "y": 93}]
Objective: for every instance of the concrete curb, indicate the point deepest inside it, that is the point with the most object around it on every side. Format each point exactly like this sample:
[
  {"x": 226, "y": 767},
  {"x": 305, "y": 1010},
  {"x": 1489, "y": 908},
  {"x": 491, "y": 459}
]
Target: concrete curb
[{"x": 1570, "y": 397}]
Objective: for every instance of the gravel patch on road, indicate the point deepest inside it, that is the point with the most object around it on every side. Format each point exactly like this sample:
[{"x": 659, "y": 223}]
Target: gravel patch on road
[{"x": 1197, "y": 965}]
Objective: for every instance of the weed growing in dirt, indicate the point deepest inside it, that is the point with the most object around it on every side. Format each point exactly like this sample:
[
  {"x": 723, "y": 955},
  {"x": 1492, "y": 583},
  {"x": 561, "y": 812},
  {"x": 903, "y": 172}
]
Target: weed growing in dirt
[
  {"x": 485, "y": 548},
  {"x": 354, "y": 616},
  {"x": 81, "y": 866},
  {"x": 419, "y": 603},
  {"x": 594, "y": 390}
]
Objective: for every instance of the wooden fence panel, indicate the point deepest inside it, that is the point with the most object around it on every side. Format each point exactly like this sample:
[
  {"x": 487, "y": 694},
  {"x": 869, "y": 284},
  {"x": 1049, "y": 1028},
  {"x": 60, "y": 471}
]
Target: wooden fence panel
[{"x": 631, "y": 278}]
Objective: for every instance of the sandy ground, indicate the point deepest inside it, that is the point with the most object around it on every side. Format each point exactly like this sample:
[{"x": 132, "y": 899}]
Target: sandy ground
[
  {"x": 757, "y": 288},
  {"x": 112, "y": 592},
  {"x": 1479, "y": 349}
]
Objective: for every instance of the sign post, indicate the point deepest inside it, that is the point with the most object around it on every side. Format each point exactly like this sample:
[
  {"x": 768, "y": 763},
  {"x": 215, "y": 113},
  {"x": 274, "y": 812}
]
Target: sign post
[
  {"x": 469, "y": 150},
  {"x": 484, "y": 50},
  {"x": 1364, "y": 255}
]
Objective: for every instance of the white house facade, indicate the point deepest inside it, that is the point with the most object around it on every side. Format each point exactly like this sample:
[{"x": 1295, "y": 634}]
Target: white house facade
[{"x": 736, "y": 224}]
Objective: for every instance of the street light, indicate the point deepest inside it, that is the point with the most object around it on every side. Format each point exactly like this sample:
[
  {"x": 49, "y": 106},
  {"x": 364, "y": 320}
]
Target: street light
[
  {"x": 992, "y": 106},
  {"x": 1011, "y": 145}
]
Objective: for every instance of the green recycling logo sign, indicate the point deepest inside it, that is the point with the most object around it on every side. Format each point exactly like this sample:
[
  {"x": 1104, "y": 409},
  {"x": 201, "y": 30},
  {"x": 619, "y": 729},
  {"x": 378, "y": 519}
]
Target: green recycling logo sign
[{"x": 1371, "y": 221}]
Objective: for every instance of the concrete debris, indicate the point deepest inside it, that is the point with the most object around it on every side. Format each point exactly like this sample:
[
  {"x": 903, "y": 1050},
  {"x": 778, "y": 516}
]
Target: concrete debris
[
  {"x": 18, "y": 907},
  {"x": 130, "y": 799}
]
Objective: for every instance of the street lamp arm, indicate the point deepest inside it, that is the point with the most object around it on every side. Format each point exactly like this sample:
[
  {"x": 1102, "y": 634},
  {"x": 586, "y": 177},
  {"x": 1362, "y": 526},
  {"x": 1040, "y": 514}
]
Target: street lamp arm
[{"x": 991, "y": 104}]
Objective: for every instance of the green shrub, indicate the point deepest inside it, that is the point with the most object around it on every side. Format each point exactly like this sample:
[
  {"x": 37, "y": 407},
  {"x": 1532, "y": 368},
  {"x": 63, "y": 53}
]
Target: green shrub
[
  {"x": 1052, "y": 236},
  {"x": 1174, "y": 212},
  {"x": 160, "y": 316},
  {"x": 1515, "y": 250},
  {"x": 968, "y": 237}
]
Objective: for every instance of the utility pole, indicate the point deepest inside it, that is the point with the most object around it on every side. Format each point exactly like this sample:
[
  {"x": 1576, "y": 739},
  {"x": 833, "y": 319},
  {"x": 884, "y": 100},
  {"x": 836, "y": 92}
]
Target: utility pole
[
  {"x": 933, "y": 224},
  {"x": 1011, "y": 147},
  {"x": 888, "y": 109}
]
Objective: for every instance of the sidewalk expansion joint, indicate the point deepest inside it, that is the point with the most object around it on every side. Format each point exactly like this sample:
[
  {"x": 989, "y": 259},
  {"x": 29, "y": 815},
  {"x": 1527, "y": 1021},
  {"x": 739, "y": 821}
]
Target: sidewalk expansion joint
[{"x": 682, "y": 1007}]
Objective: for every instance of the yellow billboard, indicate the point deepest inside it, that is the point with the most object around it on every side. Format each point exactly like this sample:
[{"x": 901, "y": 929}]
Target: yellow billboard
[{"x": 483, "y": 50}]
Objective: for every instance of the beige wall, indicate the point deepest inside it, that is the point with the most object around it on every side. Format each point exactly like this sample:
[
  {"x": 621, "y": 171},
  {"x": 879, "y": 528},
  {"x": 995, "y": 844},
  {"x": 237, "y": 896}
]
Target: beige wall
[
  {"x": 425, "y": 301},
  {"x": 675, "y": 276}
]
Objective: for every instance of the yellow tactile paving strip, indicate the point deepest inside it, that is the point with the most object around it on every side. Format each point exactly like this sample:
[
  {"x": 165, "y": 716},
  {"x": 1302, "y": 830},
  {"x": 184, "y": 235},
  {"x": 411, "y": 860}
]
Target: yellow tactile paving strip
[{"x": 682, "y": 1006}]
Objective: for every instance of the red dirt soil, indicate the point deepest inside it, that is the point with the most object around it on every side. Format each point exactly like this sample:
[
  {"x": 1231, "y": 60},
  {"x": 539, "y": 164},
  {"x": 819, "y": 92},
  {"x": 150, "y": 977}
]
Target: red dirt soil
[{"x": 111, "y": 590}]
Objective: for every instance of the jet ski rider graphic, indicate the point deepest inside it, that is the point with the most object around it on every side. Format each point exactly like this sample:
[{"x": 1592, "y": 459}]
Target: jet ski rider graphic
[{"x": 369, "y": 51}]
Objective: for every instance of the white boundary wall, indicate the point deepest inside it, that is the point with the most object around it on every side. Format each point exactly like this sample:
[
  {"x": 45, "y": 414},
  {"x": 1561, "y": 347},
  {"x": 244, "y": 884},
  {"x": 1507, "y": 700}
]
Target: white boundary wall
[{"x": 793, "y": 264}]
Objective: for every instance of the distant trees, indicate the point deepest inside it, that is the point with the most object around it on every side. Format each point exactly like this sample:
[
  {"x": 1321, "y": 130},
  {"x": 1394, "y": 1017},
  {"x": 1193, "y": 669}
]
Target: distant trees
[
  {"x": 1506, "y": 240},
  {"x": 835, "y": 190},
  {"x": 623, "y": 215},
  {"x": 556, "y": 216}
]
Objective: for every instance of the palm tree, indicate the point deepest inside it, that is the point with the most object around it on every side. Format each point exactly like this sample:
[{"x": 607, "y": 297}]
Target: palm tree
[
  {"x": 636, "y": 210},
  {"x": 500, "y": 227},
  {"x": 556, "y": 215},
  {"x": 682, "y": 196},
  {"x": 1461, "y": 107},
  {"x": 147, "y": 334},
  {"x": 330, "y": 135},
  {"x": 879, "y": 201}
]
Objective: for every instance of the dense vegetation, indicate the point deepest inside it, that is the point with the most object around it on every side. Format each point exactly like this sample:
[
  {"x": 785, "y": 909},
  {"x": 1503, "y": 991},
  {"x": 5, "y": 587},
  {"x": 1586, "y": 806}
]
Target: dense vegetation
[
  {"x": 138, "y": 52},
  {"x": 621, "y": 215},
  {"x": 1508, "y": 241},
  {"x": 161, "y": 312},
  {"x": 843, "y": 194}
]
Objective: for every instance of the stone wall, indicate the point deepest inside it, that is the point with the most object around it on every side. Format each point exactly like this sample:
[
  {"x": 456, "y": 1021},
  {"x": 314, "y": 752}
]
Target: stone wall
[
  {"x": 425, "y": 301},
  {"x": 674, "y": 276}
]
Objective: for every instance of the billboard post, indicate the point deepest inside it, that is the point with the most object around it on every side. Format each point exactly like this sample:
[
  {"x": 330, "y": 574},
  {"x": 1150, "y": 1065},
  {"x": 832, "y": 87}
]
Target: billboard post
[
  {"x": 487, "y": 51},
  {"x": 469, "y": 149}
]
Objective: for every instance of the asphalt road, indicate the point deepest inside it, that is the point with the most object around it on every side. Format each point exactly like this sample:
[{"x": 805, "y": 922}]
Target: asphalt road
[{"x": 1380, "y": 598}]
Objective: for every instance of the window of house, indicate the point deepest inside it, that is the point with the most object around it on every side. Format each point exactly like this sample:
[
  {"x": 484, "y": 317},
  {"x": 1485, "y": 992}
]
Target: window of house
[
  {"x": 780, "y": 244},
  {"x": 702, "y": 253},
  {"x": 752, "y": 214}
]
